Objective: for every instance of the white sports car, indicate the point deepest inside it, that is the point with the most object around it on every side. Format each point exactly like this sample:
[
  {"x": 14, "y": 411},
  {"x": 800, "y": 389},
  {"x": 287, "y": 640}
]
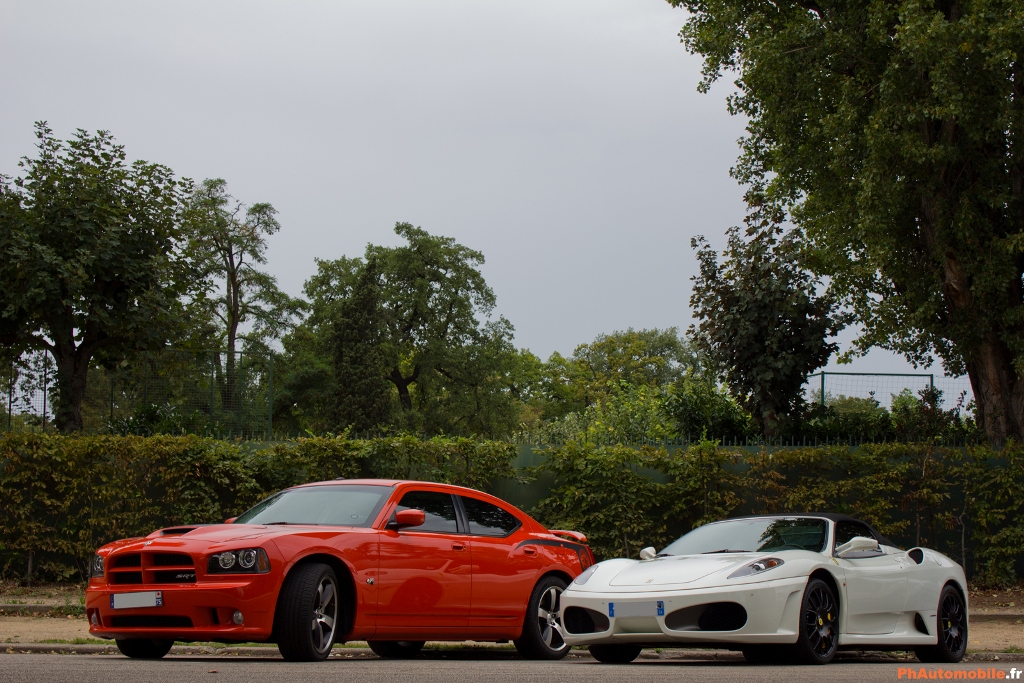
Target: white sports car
[{"x": 796, "y": 587}]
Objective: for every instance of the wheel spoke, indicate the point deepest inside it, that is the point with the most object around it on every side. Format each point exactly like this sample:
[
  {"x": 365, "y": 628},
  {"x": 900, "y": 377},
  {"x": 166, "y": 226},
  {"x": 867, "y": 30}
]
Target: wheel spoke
[
  {"x": 327, "y": 595},
  {"x": 546, "y": 634},
  {"x": 329, "y": 621}
]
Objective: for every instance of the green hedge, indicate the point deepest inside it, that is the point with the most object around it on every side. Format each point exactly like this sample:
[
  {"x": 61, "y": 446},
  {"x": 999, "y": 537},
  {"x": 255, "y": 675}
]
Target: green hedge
[
  {"x": 61, "y": 497},
  {"x": 964, "y": 502}
]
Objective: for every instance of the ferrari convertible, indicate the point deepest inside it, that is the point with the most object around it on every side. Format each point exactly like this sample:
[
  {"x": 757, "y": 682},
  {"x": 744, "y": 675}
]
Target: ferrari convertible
[
  {"x": 393, "y": 562},
  {"x": 776, "y": 587}
]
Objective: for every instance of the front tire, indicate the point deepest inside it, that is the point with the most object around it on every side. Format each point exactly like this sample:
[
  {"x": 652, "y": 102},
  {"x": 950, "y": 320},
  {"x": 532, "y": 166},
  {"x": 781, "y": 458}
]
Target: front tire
[
  {"x": 952, "y": 630},
  {"x": 819, "y": 624},
  {"x": 395, "y": 649},
  {"x": 307, "y": 613},
  {"x": 542, "y": 628},
  {"x": 614, "y": 654},
  {"x": 144, "y": 648}
]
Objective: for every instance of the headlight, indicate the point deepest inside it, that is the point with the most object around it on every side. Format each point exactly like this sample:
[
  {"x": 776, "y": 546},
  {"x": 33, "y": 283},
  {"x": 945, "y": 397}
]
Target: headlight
[
  {"x": 585, "y": 576},
  {"x": 245, "y": 561},
  {"x": 757, "y": 567},
  {"x": 96, "y": 568}
]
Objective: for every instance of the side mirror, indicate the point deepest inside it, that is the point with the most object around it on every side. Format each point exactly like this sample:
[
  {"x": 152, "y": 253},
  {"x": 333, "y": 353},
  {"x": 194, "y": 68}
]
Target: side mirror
[
  {"x": 856, "y": 544},
  {"x": 648, "y": 553},
  {"x": 230, "y": 520},
  {"x": 406, "y": 518}
]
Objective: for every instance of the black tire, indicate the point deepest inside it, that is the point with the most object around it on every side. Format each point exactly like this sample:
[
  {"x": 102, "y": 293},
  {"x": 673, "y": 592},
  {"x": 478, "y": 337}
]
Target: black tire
[
  {"x": 308, "y": 613},
  {"x": 951, "y": 629},
  {"x": 144, "y": 648},
  {"x": 819, "y": 624},
  {"x": 614, "y": 654},
  {"x": 542, "y": 628},
  {"x": 395, "y": 649}
]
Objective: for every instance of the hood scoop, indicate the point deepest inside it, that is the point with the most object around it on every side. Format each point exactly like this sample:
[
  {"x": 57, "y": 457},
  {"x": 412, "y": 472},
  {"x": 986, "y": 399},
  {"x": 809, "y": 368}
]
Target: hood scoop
[
  {"x": 180, "y": 530},
  {"x": 673, "y": 570}
]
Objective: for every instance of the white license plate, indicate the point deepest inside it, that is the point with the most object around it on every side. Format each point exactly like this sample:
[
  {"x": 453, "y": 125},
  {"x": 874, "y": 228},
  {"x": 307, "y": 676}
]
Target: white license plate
[
  {"x": 653, "y": 608},
  {"x": 132, "y": 600}
]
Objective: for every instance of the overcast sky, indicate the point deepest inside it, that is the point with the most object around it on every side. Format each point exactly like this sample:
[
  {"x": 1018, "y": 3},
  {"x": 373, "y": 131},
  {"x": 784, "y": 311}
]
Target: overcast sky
[{"x": 564, "y": 139}]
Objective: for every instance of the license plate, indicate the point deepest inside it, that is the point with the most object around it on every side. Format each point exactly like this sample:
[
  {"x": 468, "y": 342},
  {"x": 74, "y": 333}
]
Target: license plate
[
  {"x": 637, "y": 609},
  {"x": 132, "y": 600}
]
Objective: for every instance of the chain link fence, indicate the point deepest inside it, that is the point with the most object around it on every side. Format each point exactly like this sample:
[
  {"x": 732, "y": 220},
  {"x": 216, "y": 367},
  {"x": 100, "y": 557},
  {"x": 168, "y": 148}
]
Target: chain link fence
[
  {"x": 887, "y": 387},
  {"x": 211, "y": 393}
]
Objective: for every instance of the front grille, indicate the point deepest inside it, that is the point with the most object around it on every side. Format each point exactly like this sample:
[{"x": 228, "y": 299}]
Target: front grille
[
  {"x": 722, "y": 616},
  {"x": 150, "y": 621},
  {"x": 582, "y": 620},
  {"x": 171, "y": 560},
  {"x": 122, "y": 578},
  {"x": 174, "y": 576},
  {"x": 130, "y": 560}
]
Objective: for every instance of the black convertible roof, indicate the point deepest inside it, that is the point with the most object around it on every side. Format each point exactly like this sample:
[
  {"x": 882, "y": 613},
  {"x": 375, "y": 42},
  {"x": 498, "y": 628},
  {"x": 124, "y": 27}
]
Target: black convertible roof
[{"x": 833, "y": 516}]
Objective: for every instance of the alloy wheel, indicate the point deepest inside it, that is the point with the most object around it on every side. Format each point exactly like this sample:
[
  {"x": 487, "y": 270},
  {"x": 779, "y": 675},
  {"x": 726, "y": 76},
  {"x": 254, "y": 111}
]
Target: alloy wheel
[
  {"x": 325, "y": 614},
  {"x": 820, "y": 622},
  {"x": 951, "y": 623},
  {"x": 547, "y": 616}
]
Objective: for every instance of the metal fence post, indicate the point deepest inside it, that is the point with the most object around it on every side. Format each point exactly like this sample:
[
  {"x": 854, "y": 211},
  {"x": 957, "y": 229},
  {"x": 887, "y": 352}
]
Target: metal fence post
[
  {"x": 10, "y": 399},
  {"x": 270, "y": 397},
  {"x": 214, "y": 360},
  {"x": 238, "y": 391},
  {"x": 46, "y": 368},
  {"x": 822, "y": 388},
  {"x": 111, "y": 398}
]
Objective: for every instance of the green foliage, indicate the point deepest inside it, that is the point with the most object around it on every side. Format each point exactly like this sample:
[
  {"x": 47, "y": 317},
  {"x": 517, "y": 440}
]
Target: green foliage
[
  {"x": 62, "y": 497},
  {"x": 890, "y": 133},
  {"x": 700, "y": 407},
  {"x": 88, "y": 259},
  {"x": 362, "y": 399},
  {"x": 761, "y": 322}
]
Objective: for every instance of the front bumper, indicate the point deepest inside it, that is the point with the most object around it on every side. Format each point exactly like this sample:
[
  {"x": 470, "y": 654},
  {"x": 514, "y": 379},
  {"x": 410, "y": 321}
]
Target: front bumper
[
  {"x": 201, "y": 611},
  {"x": 772, "y": 615}
]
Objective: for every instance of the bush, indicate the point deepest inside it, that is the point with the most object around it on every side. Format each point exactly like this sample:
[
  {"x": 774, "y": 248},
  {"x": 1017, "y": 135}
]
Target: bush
[{"x": 62, "y": 497}]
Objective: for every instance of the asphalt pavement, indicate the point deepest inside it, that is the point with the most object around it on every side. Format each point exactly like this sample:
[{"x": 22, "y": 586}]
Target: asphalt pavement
[{"x": 23, "y": 668}]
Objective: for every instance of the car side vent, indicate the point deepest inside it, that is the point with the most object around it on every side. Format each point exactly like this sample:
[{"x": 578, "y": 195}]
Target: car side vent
[
  {"x": 582, "y": 620},
  {"x": 919, "y": 624},
  {"x": 917, "y": 555},
  {"x": 722, "y": 616}
]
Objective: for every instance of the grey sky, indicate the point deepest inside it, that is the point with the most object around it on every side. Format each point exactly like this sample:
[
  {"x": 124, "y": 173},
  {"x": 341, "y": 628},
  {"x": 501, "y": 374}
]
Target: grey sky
[{"x": 563, "y": 138}]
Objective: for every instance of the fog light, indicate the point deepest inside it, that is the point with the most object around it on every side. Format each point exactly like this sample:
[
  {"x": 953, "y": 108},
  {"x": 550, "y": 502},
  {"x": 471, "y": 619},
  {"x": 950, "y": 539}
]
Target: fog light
[
  {"x": 238, "y": 618},
  {"x": 95, "y": 619}
]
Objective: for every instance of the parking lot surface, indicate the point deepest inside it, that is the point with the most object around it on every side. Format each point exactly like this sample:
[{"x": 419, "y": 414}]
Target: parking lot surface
[{"x": 115, "y": 669}]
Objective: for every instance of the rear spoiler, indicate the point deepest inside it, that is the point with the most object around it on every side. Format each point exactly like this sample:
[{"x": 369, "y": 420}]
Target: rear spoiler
[{"x": 570, "y": 535}]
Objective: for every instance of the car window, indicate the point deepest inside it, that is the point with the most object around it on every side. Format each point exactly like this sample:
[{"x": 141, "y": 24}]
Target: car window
[
  {"x": 439, "y": 509},
  {"x": 488, "y": 520},
  {"x": 340, "y": 504},
  {"x": 846, "y": 530}
]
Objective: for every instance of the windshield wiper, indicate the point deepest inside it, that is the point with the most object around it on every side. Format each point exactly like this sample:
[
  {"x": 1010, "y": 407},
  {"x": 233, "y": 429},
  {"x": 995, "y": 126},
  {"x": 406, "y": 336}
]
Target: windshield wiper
[{"x": 724, "y": 550}]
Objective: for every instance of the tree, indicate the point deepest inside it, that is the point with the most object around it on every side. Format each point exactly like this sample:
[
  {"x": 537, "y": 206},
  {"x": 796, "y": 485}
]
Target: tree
[
  {"x": 451, "y": 369},
  {"x": 761, "y": 321},
  {"x": 362, "y": 399},
  {"x": 227, "y": 240},
  {"x": 892, "y": 135},
  {"x": 89, "y": 264}
]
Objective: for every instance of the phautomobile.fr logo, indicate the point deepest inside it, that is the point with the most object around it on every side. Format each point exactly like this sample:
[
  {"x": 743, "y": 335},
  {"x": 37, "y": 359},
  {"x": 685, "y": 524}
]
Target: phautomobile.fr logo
[{"x": 982, "y": 673}]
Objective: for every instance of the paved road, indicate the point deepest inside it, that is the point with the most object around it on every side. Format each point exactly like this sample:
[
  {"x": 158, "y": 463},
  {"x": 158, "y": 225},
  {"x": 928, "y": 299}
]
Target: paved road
[{"x": 114, "y": 669}]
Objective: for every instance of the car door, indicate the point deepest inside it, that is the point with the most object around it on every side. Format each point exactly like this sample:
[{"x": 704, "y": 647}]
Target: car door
[
  {"x": 425, "y": 580},
  {"x": 876, "y": 584},
  {"x": 503, "y": 573}
]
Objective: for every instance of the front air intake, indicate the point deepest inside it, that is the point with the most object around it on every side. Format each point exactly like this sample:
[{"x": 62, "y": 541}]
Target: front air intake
[
  {"x": 150, "y": 621},
  {"x": 723, "y": 616},
  {"x": 582, "y": 620}
]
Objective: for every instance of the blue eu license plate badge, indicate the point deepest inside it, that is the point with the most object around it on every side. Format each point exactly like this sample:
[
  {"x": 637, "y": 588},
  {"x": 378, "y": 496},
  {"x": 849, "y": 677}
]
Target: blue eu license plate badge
[
  {"x": 611, "y": 609},
  {"x": 661, "y": 608}
]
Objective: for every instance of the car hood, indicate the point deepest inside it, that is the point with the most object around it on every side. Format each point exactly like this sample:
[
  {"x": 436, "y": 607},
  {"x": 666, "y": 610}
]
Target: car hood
[{"x": 663, "y": 571}]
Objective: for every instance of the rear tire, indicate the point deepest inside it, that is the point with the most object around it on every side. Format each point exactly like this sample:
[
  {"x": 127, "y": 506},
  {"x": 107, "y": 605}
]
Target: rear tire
[
  {"x": 952, "y": 630},
  {"x": 144, "y": 648},
  {"x": 307, "y": 613},
  {"x": 542, "y": 636},
  {"x": 614, "y": 654},
  {"x": 395, "y": 649},
  {"x": 819, "y": 624}
]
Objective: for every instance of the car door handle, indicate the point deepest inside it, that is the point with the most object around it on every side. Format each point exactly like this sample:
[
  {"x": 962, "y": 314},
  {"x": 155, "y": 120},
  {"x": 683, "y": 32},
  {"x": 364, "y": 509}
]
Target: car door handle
[
  {"x": 458, "y": 545},
  {"x": 530, "y": 551}
]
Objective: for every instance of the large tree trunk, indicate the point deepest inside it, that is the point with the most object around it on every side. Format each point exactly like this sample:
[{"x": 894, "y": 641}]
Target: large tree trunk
[
  {"x": 998, "y": 391},
  {"x": 403, "y": 384},
  {"x": 72, "y": 373}
]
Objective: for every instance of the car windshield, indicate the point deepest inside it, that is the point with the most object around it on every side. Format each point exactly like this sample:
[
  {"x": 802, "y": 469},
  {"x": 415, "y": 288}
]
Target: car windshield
[
  {"x": 759, "y": 534},
  {"x": 346, "y": 505}
]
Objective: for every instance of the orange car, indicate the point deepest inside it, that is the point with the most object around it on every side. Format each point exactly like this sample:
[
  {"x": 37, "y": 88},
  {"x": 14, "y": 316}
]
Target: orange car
[{"x": 393, "y": 562}]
